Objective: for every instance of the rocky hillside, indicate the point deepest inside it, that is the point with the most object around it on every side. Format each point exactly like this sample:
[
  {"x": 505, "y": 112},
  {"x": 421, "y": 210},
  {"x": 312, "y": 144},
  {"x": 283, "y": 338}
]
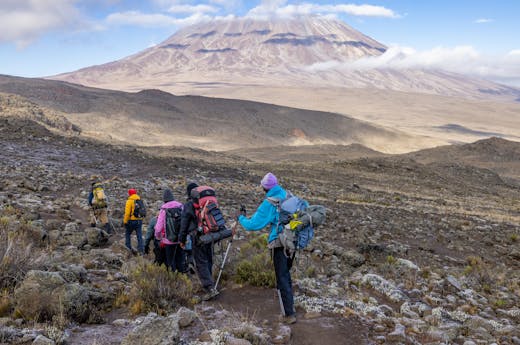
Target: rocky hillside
[
  {"x": 16, "y": 107},
  {"x": 157, "y": 118},
  {"x": 497, "y": 154},
  {"x": 411, "y": 253}
]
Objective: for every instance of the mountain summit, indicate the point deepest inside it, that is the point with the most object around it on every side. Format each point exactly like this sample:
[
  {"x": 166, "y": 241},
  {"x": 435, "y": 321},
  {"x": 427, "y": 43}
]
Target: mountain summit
[
  {"x": 311, "y": 51},
  {"x": 239, "y": 50}
]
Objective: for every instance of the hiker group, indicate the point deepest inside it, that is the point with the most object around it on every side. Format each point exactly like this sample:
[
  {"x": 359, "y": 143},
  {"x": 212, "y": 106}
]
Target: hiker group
[{"x": 184, "y": 234}]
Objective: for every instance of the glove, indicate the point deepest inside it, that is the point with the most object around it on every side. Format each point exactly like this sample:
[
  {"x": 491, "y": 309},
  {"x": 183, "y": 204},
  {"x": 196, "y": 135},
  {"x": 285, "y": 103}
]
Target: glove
[
  {"x": 243, "y": 210},
  {"x": 162, "y": 245},
  {"x": 147, "y": 249}
]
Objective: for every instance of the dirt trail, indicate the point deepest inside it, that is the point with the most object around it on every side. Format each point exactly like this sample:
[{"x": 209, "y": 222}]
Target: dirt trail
[{"x": 261, "y": 305}]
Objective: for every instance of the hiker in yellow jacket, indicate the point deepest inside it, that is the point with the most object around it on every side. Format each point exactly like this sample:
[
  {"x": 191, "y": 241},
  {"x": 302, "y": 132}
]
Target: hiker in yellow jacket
[{"x": 133, "y": 220}]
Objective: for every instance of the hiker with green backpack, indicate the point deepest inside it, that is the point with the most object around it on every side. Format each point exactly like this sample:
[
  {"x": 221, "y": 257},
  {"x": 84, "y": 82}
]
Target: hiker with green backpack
[
  {"x": 135, "y": 212},
  {"x": 167, "y": 232},
  {"x": 97, "y": 201}
]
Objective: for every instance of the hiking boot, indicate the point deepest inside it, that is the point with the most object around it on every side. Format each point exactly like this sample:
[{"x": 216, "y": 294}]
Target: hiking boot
[
  {"x": 209, "y": 295},
  {"x": 92, "y": 225},
  {"x": 288, "y": 320}
]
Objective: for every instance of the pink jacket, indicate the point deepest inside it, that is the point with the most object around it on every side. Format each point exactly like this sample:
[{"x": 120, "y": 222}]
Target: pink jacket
[{"x": 160, "y": 226}]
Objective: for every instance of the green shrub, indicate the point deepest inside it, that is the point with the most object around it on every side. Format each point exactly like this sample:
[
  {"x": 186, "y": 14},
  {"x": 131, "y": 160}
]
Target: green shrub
[
  {"x": 254, "y": 265},
  {"x": 154, "y": 288},
  {"x": 256, "y": 271}
]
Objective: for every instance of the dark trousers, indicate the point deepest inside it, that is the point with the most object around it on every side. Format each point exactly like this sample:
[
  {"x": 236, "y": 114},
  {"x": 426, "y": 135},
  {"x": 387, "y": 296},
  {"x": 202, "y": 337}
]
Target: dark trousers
[
  {"x": 203, "y": 256},
  {"x": 282, "y": 267},
  {"x": 175, "y": 258},
  {"x": 160, "y": 253},
  {"x": 136, "y": 225}
]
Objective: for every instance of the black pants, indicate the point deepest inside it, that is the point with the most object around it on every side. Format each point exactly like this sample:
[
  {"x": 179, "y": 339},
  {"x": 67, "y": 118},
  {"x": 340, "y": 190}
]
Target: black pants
[
  {"x": 175, "y": 258},
  {"x": 282, "y": 267},
  {"x": 203, "y": 255},
  {"x": 160, "y": 253}
]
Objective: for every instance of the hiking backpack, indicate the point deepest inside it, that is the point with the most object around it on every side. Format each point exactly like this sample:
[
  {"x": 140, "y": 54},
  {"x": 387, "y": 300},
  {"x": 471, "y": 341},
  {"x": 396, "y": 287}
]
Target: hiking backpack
[
  {"x": 99, "y": 200},
  {"x": 296, "y": 221},
  {"x": 173, "y": 223},
  {"x": 139, "y": 209},
  {"x": 209, "y": 216}
]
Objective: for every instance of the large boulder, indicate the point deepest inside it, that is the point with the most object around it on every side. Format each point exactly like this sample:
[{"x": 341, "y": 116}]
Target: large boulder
[
  {"x": 154, "y": 330},
  {"x": 44, "y": 294}
]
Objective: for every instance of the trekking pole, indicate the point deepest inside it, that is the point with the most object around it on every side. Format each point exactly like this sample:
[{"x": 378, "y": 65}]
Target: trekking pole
[
  {"x": 226, "y": 254},
  {"x": 281, "y": 302},
  {"x": 110, "y": 220}
]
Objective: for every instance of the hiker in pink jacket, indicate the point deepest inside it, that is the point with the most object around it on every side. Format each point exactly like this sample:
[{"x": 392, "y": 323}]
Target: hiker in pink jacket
[{"x": 167, "y": 232}]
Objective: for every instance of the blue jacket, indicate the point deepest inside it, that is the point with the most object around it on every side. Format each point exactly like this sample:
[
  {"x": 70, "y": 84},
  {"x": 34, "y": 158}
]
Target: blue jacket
[{"x": 265, "y": 214}]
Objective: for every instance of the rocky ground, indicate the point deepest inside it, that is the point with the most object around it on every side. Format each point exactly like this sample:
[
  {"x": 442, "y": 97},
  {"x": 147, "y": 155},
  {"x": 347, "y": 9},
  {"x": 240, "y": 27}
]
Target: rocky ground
[{"x": 411, "y": 253}]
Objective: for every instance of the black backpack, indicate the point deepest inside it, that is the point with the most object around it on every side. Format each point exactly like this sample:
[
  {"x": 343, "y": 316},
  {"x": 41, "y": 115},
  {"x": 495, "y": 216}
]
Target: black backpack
[
  {"x": 173, "y": 223},
  {"x": 139, "y": 209}
]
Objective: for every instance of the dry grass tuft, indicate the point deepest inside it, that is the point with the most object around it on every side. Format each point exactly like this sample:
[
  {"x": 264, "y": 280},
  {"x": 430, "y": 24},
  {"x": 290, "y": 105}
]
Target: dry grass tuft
[
  {"x": 154, "y": 288},
  {"x": 16, "y": 250}
]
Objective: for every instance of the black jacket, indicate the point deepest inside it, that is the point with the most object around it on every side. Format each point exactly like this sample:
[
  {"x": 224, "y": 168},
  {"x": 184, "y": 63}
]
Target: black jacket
[{"x": 189, "y": 221}]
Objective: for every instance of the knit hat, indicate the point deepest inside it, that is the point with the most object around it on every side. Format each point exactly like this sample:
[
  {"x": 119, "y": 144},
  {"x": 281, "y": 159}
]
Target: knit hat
[
  {"x": 190, "y": 187},
  {"x": 168, "y": 195},
  {"x": 269, "y": 181},
  {"x": 132, "y": 192}
]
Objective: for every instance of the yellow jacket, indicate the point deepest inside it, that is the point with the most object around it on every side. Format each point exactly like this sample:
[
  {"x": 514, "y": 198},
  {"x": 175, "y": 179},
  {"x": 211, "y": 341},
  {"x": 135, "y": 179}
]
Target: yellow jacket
[{"x": 129, "y": 208}]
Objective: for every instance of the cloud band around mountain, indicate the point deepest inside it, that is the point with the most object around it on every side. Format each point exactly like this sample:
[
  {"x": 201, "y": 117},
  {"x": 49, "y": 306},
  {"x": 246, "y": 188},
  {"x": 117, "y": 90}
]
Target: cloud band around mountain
[{"x": 462, "y": 59}]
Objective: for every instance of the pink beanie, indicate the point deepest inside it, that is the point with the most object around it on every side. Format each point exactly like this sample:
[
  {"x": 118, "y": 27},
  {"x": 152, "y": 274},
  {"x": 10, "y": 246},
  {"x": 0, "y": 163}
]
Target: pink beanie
[{"x": 269, "y": 181}]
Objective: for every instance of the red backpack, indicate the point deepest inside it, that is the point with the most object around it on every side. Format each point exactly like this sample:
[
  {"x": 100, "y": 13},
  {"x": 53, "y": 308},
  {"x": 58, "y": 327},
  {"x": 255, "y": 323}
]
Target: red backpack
[{"x": 209, "y": 216}]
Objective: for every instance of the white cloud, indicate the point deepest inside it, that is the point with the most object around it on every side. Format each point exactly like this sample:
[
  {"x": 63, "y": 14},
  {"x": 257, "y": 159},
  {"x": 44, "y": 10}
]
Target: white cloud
[
  {"x": 483, "y": 20},
  {"x": 23, "y": 21},
  {"x": 141, "y": 19},
  {"x": 201, "y": 8},
  {"x": 279, "y": 8},
  {"x": 159, "y": 20},
  {"x": 462, "y": 59}
]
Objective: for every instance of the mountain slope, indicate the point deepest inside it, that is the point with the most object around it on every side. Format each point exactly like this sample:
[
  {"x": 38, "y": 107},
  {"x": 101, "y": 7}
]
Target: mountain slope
[
  {"x": 153, "y": 117},
  {"x": 278, "y": 52}
]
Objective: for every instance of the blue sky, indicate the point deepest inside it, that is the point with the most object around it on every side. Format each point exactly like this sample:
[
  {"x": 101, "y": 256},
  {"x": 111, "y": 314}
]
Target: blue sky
[{"x": 46, "y": 37}]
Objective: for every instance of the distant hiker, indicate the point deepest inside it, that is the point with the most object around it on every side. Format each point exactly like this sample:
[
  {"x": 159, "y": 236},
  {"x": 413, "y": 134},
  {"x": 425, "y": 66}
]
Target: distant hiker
[
  {"x": 135, "y": 212},
  {"x": 167, "y": 232},
  {"x": 202, "y": 253},
  {"x": 159, "y": 253},
  {"x": 97, "y": 201},
  {"x": 267, "y": 214}
]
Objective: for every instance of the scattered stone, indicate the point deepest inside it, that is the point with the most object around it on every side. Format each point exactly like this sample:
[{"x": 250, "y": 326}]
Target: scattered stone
[
  {"x": 312, "y": 315},
  {"x": 398, "y": 335},
  {"x": 237, "y": 341},
  {"x": 41, "y": 340},
  {"x": 385, "y": 287},
  {"x": 186, "y": 317},
  {"x": 454, "y": 282},
  {"x": 282, "y": 335},
  {"x": 154, "y": 330},
  {"x": 121, "y": 322}
]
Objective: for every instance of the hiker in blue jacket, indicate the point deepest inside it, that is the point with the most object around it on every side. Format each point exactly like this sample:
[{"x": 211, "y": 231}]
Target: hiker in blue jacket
[{"x": 267, "y": 214}]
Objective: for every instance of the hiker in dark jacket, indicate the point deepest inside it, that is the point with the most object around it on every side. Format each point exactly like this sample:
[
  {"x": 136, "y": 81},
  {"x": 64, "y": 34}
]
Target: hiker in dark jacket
[
  {"x": 267, "y": 214},
  {"x": 202, "y": 253},
  {"x": 159, "y": 252}
]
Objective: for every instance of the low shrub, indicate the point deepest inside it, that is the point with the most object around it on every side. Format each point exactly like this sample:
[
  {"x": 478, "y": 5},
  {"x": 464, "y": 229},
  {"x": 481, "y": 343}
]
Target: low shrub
[
  {"x": 154, "y": 288},
  {"x": 254, "y": 265},
  {"x": 16, "y": 251}
]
